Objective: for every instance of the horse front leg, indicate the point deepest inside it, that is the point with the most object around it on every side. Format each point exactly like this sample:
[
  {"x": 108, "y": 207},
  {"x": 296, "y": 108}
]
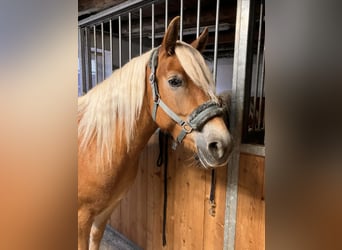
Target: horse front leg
[
  {"x": 98, "y": 228},
  {"x": 84, "y": 226},
  {"x": 96, "y": 235}
]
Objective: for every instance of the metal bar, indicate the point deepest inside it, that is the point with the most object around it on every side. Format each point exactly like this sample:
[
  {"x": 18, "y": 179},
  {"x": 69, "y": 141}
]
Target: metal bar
[
  {"x": 255, "y": 124},
  {"x": 95, "y": 53},
  {"x": 190, "y": 31},
  {"x": 262, "y": 85},
  {"x": 198, "y": 18},
  {"x": 81, "y": 58},
  {"x": 140, "y": 31},
  {"x": 111, "y": 45},
  {"x": 103, "y": 54},
  {"x": 119, "y": 9},
  {"x": 236, "y": 115},
  {"x": 249, "y": 72},
  {"x": 216, "y": 39},
  {"x": 181, "y": 21},
  {"x": 88, "y": 59},
  {"x": 253, "y": 149},
  {"x": 152, "y": 26},
  {"x": 166, "y": 14},
  {"x": 120, "y": 45},
  {"x": 129, "y": 36}
]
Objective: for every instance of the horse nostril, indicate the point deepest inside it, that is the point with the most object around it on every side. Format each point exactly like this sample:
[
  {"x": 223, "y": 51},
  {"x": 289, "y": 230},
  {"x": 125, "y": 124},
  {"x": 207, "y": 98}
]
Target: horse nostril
[
  {"x": 213, "y": 146},
  {"x": 216, "y": 149}
]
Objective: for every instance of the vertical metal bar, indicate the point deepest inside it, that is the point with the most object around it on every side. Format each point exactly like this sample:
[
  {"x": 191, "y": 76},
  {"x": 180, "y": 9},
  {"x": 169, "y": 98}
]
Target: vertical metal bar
[
  {"x": 129, "y": 36},
  {"x": 166, "y": 13},
  {"x": 103, "y": 54},
  {"x": 95, "y": 54},
  {"x": 86, "y": 87},
  {"x": 216, "y": 39},
  {"x": 88, "y": 59},
  {"x": 257, "y": 72},
  {"x": 111, "y": 45},
  {"x": 181, "y": 21},
  {"x": 81, "y": 58},
  {"x": 261, "y": 110},
  {"x": 236, "y": 116},
  {"x": 140, "y": 31},
  {"x": 120, "y": 45},
  {"x": 152, "y": 25},
  {"x": 198, "y": 17}
]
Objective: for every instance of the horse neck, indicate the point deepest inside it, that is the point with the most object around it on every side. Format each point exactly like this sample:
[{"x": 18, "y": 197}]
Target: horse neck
[{"x": 145, "y": 126}]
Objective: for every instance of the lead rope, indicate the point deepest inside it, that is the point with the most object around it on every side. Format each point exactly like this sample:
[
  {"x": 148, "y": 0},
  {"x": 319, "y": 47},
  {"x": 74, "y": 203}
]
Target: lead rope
[
  {"x": 212, "y": 209},
  {"x": 212, "y": 203},
  {"x": 163, "y": 159}
]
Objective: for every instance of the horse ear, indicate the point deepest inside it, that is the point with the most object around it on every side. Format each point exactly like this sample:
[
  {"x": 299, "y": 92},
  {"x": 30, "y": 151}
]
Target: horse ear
[
  {"x": 171, "y": 35},
  {"x": 201, "y": 41}
]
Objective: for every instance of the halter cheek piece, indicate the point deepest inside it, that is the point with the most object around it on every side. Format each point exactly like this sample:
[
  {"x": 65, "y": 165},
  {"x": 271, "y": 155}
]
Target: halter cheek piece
[{"x": 198, "y": 117}]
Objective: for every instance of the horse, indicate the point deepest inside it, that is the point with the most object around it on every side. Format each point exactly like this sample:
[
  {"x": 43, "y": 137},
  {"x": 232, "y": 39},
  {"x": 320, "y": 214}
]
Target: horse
[{"x": 170, "y": 88}]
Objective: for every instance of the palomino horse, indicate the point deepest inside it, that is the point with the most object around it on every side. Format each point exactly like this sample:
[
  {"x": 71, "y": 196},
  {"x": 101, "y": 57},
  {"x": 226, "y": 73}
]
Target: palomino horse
[{"x": 169, "y": 87}]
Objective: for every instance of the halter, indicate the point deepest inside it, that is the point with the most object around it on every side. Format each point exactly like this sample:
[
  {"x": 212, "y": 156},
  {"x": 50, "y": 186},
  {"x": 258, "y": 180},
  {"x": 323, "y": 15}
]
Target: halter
[{"x": 198, "y": 117}]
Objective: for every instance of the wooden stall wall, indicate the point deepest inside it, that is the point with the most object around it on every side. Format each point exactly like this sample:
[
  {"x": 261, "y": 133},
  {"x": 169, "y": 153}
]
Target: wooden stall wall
[
  {"x": 189, "y": 224},
  {"x": 250, "y": 221}
]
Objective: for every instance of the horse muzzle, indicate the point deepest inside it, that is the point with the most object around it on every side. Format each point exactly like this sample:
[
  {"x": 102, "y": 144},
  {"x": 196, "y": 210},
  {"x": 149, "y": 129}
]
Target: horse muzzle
[{"x": 214, "y": 149}]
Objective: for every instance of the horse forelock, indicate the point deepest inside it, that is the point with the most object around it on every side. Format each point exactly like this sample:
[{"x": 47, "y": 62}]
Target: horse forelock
[
  {"x": 108, "y": 112},
  {"x": 196, "y": 68}
]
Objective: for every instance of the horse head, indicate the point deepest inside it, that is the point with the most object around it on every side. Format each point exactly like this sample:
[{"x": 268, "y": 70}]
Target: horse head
[{"x": 182, "y": 99}]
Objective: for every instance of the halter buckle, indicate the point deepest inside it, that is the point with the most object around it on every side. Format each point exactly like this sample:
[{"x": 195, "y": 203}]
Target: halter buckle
[
  {"x": 187, "y": 128},
  {"x": 152, "y": 77},
  {"x": 156, "y": 99}
]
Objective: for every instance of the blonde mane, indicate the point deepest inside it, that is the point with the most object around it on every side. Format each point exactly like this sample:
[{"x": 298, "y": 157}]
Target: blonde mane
[{"x": 117, "y": 101}]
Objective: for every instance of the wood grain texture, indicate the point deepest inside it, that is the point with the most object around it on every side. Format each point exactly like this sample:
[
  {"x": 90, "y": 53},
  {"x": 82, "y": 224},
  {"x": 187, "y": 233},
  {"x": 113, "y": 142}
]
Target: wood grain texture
[
  {"x": 250, "y": 222},
  {"x": 115, "y": 218},
  {"x": 171, "y": 195},
  {"x": 214, "y": 226},
  {"x": 189, "y": 225},
  {"x": 155, "y": 196},
  {"x": 188, "y": 203}
]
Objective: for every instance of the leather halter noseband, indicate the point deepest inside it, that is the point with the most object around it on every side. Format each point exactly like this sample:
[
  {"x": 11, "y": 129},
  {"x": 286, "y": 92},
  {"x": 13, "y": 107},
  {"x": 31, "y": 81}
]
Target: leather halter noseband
[{"x": 198, "y": 117}]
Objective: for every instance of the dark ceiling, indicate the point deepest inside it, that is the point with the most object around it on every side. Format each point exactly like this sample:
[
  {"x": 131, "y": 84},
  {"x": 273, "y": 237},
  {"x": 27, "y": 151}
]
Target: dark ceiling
[{"x": 227, "y": 19}]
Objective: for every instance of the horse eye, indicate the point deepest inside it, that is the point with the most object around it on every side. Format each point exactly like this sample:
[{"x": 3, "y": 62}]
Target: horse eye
[{"x": 175, "y": 82}]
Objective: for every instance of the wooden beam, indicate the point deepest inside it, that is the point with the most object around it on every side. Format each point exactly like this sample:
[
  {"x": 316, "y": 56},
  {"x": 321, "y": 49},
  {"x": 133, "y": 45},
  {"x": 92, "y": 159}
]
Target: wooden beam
[{"x": 84, "y": 5}]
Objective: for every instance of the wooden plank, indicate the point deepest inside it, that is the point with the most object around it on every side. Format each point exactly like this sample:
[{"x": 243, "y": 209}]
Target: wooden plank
[
  {"x": 127, "y": 215},
  {"x": 154, "y": 197},
  {"x": 142, "y": 206},
  {"x": 171, "y": 196},
  {"x": 149, "y": 200},
  {"x": 188, "y": 203},
  {"x": 115, "y": 218},
  {"x": 214, "y": 226},
  {"x": 98, "y": 5},
  {"x": 137, "y": 204},
  {"x": 250, "y": 224}
]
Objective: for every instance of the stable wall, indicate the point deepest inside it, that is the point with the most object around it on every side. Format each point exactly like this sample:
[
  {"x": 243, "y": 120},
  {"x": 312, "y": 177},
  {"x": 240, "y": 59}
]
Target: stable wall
[{"x": 189, "y": 225}]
